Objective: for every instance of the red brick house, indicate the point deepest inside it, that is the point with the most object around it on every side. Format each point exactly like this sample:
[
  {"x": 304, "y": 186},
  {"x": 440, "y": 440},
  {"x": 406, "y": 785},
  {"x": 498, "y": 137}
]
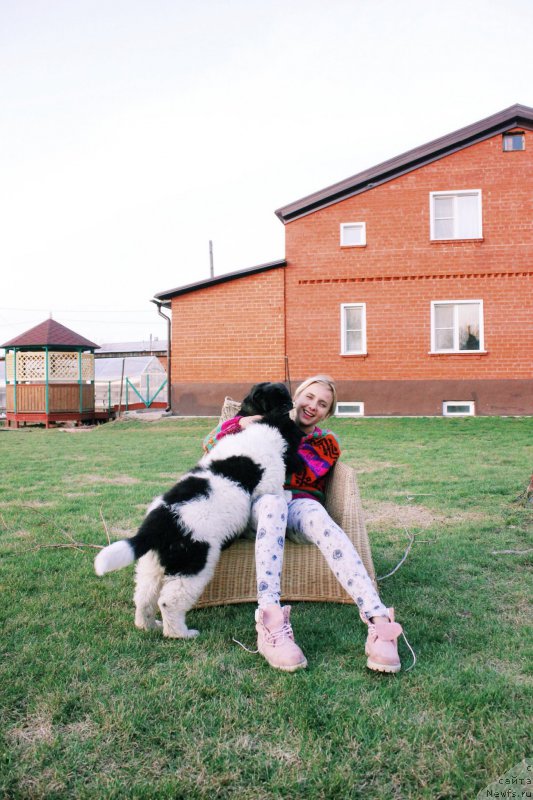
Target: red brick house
[{"x": 410, "y": 283}]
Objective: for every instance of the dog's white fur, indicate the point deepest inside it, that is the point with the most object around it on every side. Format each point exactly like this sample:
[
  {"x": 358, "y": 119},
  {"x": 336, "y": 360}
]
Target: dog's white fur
[{"x": 215, "y": 519}]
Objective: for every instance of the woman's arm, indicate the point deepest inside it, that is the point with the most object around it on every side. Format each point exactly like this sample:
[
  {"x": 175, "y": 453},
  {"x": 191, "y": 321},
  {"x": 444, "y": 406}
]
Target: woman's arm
[
  {"x": 319, "y": 454},
  {"x": 230, "y": 426}
]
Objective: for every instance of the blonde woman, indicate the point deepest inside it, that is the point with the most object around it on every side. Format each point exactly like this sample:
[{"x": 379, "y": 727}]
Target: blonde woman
[{"x": 305, "y": 519}]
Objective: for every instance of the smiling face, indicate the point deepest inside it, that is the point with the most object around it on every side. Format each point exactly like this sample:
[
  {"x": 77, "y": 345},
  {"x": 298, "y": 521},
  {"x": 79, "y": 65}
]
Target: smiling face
[{"x": 312, "y": 406}]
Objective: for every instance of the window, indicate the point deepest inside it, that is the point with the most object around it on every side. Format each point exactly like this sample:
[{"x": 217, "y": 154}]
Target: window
[
  {"x": 350, "y": 410},
  {"x": 455, "y": 215},
  {"x": 353, "y": 329},
  {"x": 457, "y": 326},
  {"x": 458, "y": 408},
  {"x": 513, "y": 141},
  {"x": 353, "y": 234}
]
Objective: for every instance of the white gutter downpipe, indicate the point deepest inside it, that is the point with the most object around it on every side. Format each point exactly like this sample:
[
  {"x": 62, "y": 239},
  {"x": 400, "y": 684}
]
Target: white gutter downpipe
[{"x": 169, "y": 345}]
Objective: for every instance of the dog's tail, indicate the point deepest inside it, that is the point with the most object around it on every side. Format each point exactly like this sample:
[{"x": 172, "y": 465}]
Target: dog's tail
[
  {"x": 114, "y": 556},
  {"x": 126, "y": 551}
]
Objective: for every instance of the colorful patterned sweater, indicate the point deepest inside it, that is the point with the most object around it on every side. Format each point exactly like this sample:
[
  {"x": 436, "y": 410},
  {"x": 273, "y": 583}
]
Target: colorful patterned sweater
[{"x": 318, "y": 450}]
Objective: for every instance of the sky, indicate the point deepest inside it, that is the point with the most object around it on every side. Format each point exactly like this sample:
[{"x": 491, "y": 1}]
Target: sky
[{"x": 134, "y": 132}]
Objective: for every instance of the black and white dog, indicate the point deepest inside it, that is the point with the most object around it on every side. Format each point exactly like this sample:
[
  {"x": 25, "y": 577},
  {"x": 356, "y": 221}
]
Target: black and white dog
[{"x": 179, "y": 542}]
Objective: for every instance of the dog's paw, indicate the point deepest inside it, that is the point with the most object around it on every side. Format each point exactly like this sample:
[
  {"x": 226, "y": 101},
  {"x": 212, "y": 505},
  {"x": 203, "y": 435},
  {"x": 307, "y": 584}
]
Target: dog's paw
[
  {"x": 148, "y": 624},
  {"x": 191, "y": 633},
  {"x": 188, "y": 633}
]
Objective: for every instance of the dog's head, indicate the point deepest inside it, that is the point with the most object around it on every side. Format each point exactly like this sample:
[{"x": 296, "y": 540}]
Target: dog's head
[
  {"x": 273, "y": 401},
  {"x": 266, "y": 397}
]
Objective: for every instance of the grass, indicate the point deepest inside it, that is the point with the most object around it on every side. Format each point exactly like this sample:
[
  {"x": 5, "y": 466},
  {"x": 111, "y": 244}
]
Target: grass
[{"x": 93, "y": 708}]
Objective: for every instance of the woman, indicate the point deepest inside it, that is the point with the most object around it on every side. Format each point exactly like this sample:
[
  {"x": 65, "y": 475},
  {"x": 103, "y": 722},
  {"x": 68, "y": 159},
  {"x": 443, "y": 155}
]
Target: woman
[{"x": 305, "y": 519}]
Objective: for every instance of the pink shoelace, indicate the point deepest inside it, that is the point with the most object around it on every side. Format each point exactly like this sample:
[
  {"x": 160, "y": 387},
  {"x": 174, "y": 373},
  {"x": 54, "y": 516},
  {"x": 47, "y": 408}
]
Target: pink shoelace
[{"x": 275, "y": 638}]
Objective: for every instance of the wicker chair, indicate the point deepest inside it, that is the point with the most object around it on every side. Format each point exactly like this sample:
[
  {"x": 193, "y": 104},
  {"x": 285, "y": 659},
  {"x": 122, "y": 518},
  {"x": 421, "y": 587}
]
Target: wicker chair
[{"x": 306, "y": 575}]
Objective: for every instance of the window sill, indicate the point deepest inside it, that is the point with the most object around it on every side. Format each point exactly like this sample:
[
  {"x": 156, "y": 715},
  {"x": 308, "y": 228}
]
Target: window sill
[
  {"x": 354, "y": 355},
  {"x": 477, "y": 239},
  {"x": 459, "y": 353},
  {"x": 352, "y": 246}
]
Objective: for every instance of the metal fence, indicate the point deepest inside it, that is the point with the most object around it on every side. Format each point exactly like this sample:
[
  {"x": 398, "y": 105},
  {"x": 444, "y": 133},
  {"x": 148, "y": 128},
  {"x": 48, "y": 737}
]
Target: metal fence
[{"x": 146, "y": 390}]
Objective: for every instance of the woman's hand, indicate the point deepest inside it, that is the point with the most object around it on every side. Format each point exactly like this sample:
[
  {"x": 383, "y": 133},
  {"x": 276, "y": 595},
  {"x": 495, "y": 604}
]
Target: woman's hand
[{"x": 246, "y": 421}]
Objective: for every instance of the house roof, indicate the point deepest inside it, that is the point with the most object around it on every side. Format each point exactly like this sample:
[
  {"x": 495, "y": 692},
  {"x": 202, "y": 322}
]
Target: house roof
[
  {"x": 512, "y": 117},
  {"x": 52, "y": 334},
  {"x": 164, "y": 297}
]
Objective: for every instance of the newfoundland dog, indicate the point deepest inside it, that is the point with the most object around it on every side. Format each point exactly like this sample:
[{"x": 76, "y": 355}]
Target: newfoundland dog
[{"x": 184, "y": 530}]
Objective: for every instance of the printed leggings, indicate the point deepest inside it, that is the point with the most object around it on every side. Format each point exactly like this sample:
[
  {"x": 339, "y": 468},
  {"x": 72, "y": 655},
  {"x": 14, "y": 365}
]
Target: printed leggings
[{"x": 307, "y": 521}]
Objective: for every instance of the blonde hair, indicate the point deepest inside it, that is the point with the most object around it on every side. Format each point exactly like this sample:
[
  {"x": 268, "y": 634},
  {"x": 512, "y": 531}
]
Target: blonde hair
[{"x": 325, "y": 380}]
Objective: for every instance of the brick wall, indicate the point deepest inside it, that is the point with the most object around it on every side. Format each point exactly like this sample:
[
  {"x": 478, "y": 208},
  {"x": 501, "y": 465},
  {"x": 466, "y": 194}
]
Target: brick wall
[
  {"x": 400, "y": 271},
  {"x": 226, "y": 337}
]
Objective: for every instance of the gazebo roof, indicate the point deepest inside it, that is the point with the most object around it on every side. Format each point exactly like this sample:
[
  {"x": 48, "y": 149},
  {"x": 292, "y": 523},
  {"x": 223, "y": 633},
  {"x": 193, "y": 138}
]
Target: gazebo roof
[{"x": 52, "y": 334}]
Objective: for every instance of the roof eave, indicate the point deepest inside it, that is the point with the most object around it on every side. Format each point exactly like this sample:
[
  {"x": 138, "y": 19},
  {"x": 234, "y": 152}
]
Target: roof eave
[
  {"x": 164, "y": 298},
  {"x": 516, "y": 116}
]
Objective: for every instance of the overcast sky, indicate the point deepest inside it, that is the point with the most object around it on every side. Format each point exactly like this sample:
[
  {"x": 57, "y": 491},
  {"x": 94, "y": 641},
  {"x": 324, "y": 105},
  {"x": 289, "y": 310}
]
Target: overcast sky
[{"x": 134, "y": 132}]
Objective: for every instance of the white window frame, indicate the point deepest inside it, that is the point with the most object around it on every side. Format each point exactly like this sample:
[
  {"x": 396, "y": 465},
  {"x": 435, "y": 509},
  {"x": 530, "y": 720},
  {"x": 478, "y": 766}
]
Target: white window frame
[
  {"x": 359, "y": 413},
  {"x": 455, "y": 348},
  {"x": 447, "y": 404},
  {"x": 511, "y": 138},
  {"x": 344, "y": 351},
  {"x": 454, "y": 194},
  {"x": 361, "y": 226}
]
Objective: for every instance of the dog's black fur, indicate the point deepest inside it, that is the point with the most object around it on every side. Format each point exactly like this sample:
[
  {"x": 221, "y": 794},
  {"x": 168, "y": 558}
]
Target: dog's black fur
[
  {"x": 273, "y": 401},
  {"x": 265, "y": 397}
]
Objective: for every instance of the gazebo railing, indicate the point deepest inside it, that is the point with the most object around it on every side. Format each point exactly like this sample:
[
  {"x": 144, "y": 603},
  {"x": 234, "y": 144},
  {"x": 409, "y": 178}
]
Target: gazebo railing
[{"x": 36, "y": 367}]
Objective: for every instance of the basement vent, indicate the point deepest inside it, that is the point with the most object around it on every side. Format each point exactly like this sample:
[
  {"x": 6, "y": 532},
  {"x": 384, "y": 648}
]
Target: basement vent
[
  {"x": 350, "y": 410},
  {"x": 458, "y": 408}
]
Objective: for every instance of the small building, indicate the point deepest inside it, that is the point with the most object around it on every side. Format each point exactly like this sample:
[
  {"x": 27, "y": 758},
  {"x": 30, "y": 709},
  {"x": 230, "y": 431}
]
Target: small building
[
  {"x": 130, "y": 383},
  {"x": 49, "y": 376},
  {"x": 152, "y": 347}
]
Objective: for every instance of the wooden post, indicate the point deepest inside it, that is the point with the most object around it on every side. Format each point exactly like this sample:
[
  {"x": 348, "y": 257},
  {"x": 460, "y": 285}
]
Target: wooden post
[
  {"x": 80, "y": 381},
  {"x": 46, "y": 390},
  {"x": 121, "y": 384},
  {"x": 14, "y": 380}
]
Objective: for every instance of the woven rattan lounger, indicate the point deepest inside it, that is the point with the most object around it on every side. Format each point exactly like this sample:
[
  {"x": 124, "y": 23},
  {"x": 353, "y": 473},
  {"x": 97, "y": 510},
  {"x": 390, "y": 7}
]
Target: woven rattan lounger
[{"x": 306, "y": 575}]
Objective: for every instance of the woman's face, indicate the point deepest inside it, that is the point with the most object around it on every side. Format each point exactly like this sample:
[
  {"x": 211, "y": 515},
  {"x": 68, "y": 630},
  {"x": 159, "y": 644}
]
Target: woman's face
[{"x": 312, "y": 405}]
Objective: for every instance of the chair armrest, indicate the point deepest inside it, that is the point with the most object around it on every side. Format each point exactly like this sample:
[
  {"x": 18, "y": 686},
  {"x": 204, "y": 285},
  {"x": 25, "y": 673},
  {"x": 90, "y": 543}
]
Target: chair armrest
[{"x": 230, "y": 409}]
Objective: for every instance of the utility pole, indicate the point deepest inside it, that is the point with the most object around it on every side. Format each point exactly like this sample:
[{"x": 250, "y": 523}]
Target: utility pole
[{"x": 211, "y": 266}]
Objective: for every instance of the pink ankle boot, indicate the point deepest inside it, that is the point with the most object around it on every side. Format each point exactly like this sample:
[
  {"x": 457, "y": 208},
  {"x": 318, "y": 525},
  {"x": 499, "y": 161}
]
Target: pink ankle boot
[
  {"x": 382, "y": 646},
  {"x": 275, "y": 639}
]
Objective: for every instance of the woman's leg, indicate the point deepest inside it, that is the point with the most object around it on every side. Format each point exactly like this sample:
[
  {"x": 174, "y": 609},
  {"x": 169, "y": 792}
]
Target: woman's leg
[
  {"x": 310, "y": 521},
  {"x": 269, "y": 519},
  {"x": 275, "y": 639}
]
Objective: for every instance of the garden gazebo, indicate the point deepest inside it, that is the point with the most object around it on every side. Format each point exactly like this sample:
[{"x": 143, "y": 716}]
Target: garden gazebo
[{"x": 49, "y": 376}]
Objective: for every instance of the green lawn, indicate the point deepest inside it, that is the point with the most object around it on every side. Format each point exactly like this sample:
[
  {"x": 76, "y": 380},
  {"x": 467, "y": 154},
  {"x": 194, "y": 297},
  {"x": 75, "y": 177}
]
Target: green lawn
[{"x": 93, "y": 708}]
